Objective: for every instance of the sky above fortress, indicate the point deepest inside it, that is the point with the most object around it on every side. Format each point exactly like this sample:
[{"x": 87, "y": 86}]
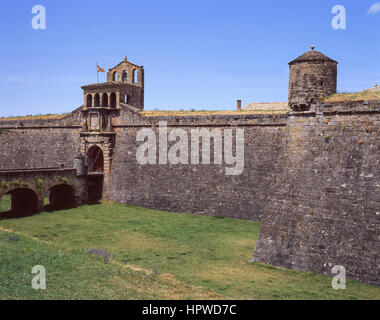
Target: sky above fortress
[{"x": 201, "y": 54}]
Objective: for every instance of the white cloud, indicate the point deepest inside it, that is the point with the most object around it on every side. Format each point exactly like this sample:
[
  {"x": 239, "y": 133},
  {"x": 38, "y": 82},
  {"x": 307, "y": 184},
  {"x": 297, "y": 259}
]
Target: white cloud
[{"x": 375, "y": 8}]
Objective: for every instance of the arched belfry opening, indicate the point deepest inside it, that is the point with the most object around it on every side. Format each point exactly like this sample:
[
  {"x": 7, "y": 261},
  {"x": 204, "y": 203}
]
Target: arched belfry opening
[
  {"x": 104, "y": 100},
  {"x": 96, "y": 100},
  {"x": 89, "y": 100},
  {"x": 113, "y": 100},
  {"x": 95, "y": 160},
  {"x": 124, "y": 77},
  {"x": 135, "y": 78}
]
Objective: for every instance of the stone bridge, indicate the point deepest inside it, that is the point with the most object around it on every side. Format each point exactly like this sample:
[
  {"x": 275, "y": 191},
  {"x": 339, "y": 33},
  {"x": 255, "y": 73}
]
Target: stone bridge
[{"x": 31, "y": 190}]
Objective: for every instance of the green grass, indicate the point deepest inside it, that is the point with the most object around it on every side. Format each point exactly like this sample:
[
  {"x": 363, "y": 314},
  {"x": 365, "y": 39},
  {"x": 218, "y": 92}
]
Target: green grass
[
  {"x": 34, "y": 117},
  {"x": 5, "y": 203},
  {"x": 71, "y": 274},
  {"x": 176, "y": 113},
  {"x": 208, "y": 252},
  {"x": 370, "y": 94}
]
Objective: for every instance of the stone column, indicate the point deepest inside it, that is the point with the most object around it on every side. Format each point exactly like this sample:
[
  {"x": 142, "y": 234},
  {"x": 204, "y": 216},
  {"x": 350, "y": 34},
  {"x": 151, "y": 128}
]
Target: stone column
[{"x": 117, "y": 100}]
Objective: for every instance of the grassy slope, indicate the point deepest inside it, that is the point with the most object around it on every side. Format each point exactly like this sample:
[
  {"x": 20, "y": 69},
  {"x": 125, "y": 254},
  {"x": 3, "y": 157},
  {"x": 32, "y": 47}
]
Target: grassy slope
[
  {"x": 209, "y": 252},
  {"x": 71, "y": 274}
]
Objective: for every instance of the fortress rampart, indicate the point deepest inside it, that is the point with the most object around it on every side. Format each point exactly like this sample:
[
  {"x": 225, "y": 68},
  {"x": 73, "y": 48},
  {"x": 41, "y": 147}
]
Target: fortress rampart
[{"x": 311, "y": 177}]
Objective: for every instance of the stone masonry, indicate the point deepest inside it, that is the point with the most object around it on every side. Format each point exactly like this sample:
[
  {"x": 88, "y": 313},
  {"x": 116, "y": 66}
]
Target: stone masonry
[{"x": 311, "y": 176}]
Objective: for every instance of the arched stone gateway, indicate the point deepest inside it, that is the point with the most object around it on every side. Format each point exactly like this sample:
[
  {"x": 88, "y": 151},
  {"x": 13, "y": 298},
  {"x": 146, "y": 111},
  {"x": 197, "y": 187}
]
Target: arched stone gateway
[
  {"x": 95, "y": 178},
  {"x": 95, "y": 159}
]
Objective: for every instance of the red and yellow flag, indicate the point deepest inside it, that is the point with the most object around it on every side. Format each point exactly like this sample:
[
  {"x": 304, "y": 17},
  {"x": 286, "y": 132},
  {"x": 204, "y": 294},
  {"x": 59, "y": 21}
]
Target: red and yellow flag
[{"x": 99, "y": 69}]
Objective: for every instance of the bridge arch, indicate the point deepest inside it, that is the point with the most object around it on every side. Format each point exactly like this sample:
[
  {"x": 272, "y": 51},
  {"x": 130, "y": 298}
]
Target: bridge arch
[
  {"x": 24, "y": 202},
  {"x": 61, "y": 196}
]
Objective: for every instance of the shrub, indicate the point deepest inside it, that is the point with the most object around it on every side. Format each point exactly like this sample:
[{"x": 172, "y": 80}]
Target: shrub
[
  {"x": 4, "y": 184},
  {"x": 15, "y": 182},
  {"x": 39, "y": 183}
]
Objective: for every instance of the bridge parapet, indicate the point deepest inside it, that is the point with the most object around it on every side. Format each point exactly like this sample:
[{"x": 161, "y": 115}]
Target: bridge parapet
[{"x": 29, "y": 188}]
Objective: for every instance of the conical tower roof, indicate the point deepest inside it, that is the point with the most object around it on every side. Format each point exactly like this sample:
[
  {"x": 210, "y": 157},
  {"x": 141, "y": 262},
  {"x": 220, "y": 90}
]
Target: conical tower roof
[{"x": 312, "y": 56}]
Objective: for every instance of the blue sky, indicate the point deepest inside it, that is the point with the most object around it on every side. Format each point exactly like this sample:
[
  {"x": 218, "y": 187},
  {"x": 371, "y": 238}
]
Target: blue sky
[{"x": 201, "y": 54}]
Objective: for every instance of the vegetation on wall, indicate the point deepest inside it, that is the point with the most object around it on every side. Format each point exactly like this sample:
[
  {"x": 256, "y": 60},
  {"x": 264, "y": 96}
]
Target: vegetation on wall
[
  {"x": 369, "y": 94},
  {"x": 16, "y": 182},
  {"x": 39, "y": 184},
  {"x": 63, "y": 179},
  {"x": 36, "y": 117}
]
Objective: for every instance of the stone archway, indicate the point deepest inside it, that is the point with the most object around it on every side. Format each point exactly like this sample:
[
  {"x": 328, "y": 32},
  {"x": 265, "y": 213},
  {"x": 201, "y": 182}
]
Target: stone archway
[
  {"x": 24, "y": 203},
  {"x": 95, "y": 159},
  {"x": 61, "y": 197},
  {"x": 95, "y": 176}
]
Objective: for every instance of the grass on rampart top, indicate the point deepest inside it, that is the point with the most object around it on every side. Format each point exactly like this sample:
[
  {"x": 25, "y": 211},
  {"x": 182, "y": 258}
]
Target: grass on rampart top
[
  {"x": 162, "y": 113},
  {"x": 369, "y": 94},
  {"x": 35, "y": 117}
]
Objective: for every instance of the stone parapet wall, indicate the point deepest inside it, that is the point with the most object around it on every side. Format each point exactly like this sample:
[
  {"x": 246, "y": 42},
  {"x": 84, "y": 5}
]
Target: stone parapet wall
[{"x": 36, "y": 144}]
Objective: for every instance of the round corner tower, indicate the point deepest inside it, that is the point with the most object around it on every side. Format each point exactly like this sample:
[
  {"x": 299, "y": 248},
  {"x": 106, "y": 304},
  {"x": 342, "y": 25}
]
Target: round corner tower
[{"x": 311, "y": 76}]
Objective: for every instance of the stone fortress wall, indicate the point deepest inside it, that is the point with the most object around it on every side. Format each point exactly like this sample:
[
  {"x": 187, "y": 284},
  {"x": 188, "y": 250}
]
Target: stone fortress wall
[{"x": 312, "y": 178}]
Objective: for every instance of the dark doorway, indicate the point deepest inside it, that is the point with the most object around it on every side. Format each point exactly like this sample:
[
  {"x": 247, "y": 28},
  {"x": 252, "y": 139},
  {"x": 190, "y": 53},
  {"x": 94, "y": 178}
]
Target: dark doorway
[
  {"x": 95, "y": 187},
  {"x": 23, "y": 203},
  {"x": 95, "y": 159},
  {"x": 61, "y": 197}
]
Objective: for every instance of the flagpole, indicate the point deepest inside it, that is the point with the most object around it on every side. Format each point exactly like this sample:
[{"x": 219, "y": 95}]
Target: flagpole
[{"x": 97, "y": 73}]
